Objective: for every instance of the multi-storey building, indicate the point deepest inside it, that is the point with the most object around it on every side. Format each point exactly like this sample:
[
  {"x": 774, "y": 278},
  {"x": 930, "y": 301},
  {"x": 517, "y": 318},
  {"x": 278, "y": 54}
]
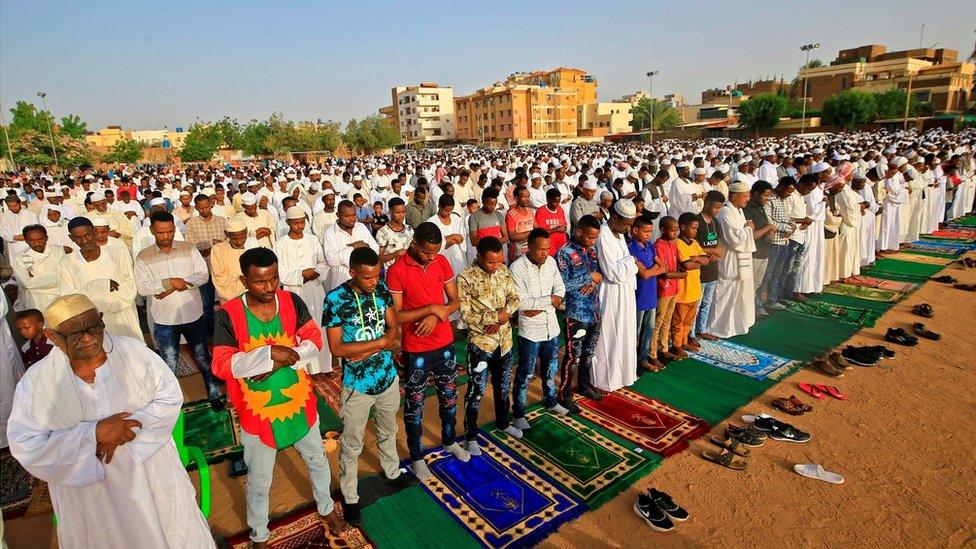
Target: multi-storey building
[{"x": 423, "y": 113}]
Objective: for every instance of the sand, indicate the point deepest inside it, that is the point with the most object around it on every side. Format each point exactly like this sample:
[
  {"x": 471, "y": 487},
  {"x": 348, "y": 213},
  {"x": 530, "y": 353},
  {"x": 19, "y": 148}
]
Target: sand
[{"x": 903, "y": 441}]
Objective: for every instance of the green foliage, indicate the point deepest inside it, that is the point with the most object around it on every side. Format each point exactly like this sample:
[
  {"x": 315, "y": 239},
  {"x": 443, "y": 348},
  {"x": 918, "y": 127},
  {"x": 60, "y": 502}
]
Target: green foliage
[
  {"x": 370, "y": 134},
  {"x": 762, "y": 112},
  {"x": 850, "y": 108},
  {"x": 31, "y": 130},
  {"x": 666, "y": 117},
  {"x": 813, "y": 64},
  {"x": 72, "y": 125},
  {"x": 254, "y": 139},
  {"x": 126, "y": 151},
  {"x": 202, "y": 141}
]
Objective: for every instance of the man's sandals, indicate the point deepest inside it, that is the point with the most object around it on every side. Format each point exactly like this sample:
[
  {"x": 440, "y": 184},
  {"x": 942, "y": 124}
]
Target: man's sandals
[
  {"x": 726, "y": 458},
  {"x": 924, "y": 310},
  {"x": 792, "y": 406}
]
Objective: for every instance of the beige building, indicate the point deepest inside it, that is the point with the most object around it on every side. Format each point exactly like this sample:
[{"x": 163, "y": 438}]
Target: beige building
[
  {"x": 423, "y": 113},
  {"x": 599, "y": 119},
  {"x": 107, "y": 137}
]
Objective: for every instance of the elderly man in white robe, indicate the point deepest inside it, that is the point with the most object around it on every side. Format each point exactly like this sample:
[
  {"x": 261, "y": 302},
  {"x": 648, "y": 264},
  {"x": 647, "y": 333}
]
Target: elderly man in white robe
[
  {"x": 915, "y": 211},
  {"x": 734, "y": 309},
  {"x": 896, "y": 196},
  {"x": 685, "y": 195},
  {"x": 36, "y": 269},
  {"x": 12, "y": 222},
  {"x": 615, "y": 355},
  {"x": 809, "y": 280},
  {"x": 94, "y": 419},
  {"x": 104, "y": 275},
  {"x": 863, "y": 184},
  {"x": 302, "y": 269}
]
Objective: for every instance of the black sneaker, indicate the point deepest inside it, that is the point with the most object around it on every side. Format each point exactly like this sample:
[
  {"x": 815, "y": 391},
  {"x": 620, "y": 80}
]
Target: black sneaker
[
  {"x": 570, "y": 405},
  {"x": 402, "y": 480},
  {"x": 766, "y": 424},
  {"x": 788, "y": 433},
  {"x": 880, "y": 350},
  {"x": 856, "y": 355},
  {"x": 652, "y": 514},
  {"x": 664, "y": 502},
  {"x": 350, "y": 512}
]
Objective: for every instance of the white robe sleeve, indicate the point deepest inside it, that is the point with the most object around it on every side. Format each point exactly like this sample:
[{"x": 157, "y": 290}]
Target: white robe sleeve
[
  {"x": 289, "y": 269},
  {"x": 159, "y": 416},
  {"x": 617, "y": 268}
]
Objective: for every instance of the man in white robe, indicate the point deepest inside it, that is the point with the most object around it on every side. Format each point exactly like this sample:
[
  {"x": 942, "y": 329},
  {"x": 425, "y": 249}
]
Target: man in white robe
[
  {"x": 36, "y": 269},
  {"x": 810, "y": 278},
  {"x": 847, "y": 244},
  {"x": 94, "y": 419},
  {"x": 686, "y": 195},
  {"x": 937, "y": 208},
  {"x": 896, "y": 195},
  {"x": 104, "y": 275},
  {"x": 302, "y": 269},
  {"x": 866, "y": 236},
  {"x": 12, "y": 222},
  {"x": 260, "y": 225},
  {"x": 734, "y": 310},
  {"x": 615, "y": 355},
  {"x": 913, "y": 212},
  {"x": 11, "y": 369}
]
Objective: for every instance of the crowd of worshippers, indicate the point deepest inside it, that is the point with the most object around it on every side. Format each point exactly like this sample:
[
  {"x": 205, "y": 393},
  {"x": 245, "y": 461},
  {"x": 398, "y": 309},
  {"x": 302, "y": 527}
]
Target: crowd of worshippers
[{"x": 609, "y": 260}]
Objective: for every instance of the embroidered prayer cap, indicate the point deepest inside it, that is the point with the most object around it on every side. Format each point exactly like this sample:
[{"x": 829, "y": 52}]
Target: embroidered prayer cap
[
  {"x": 235, "y": 225},
  {"x": 66, "y": 307},
  {"x": 100, "y": 221},
  {"x": 248, "y": 199},
  {"x": 739, "y": 187},
  {"x": 625, "y": 208},
  {"x": 295, "y": 213}
]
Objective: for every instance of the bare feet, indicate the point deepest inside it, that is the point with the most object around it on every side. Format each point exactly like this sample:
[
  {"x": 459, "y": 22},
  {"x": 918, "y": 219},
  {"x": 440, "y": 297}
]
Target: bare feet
[
  {"x": 708, "y": 337},
  {"x": 679, "y": 353},
  {"x": 259, "y": 545},
  {"x": 335, "y": 523},
  {"x": 667, "y": 355}
]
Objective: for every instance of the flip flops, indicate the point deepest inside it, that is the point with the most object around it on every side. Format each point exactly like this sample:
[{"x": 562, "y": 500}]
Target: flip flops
[
  {"x": 726, "y": 458},
  {"x": 832, "y": 391},
  {"x": 921, "y": 330},
  {"x": 731, "y": 445},
  {"x": 812, "y": 390},
  {"x": 817, "y": 472},
  {"x": 924, "y": 310}
]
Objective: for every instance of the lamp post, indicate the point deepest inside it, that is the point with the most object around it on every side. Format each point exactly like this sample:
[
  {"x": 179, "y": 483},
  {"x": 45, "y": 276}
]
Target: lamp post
[
  {"x": 650, "y": 93},
  {"x": 6, "y": 135},
  {"x": 50, "y": 132},
  {"x": 804, "y": 98},
  {"x": 908, "y": 100}
]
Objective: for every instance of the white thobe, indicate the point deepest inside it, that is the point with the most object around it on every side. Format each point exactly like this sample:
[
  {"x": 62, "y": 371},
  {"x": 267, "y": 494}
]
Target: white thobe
[
  {"x": 76, "y": 275},
  {"x": 294, "y": 256},
  {"x": 144, "y": 496},
  {"x": 767, "y": 173},
  {"x": 847, "y": 246},
  {"x": 962, "y": 200},
  {"x": 733, "y": 311},
  {"x": 911, "y": 212},
  {"x": 866, "y": 237},
  {"x": 261, "y": 220},
  {"x": 937, "y": 203},
  {"x": 11, "y": 369},
  {"x": 810, "y": 277},
  {"x": 37, "y": 274},
  {"x": 457, "y": 254},
  {"x": 336, "y": 243},
  {"x": 322, "y": 221},
  {"x": 12, "y": 225},
  {"x": 615, "y": 355},
  {"x": 680, "y": 201},
  {"x": 896, "y": 196}
]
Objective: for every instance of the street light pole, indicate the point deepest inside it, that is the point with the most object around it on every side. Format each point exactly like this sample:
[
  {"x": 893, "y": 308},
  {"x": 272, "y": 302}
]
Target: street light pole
[
  {"x": 908, "y": 100},
  {"x": 6, "y": 135},
  {"x": 803, "y": 98},
  {"x": 650, "y": 92},
  {"x": 50, "y": 131}
]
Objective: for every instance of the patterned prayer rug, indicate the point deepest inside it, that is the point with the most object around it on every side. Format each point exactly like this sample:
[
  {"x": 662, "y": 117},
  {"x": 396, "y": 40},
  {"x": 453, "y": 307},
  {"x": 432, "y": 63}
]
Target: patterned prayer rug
[
  {"x": 915, "y": 258},
  {"x": 841, "y": 313},
  {"x": 186, "y": 366},
  {"x": 217, "y": 433},
  {"x": 882, "y": 284},
  {"x": 649, "y": 423},
  {"x": 329, "y": 389},
  {"x": 16, "y": 487},
  {"x": 588, "y": 463},
  {"x": 500, "y": 501},
  {"x": 303, "y": 530},
  {"x": 743, "y": 360},
  {"x": 862, "y": 292}
]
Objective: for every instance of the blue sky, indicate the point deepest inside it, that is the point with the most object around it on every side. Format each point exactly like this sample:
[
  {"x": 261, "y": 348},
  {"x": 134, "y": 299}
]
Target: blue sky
[{"x": 144, "y": 65}]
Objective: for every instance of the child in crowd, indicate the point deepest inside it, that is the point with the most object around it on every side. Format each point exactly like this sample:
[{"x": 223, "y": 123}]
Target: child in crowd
[
  {"x": 379, "y": 218},
  {"x": 708, "y": 238},
  {"x": 30, "y": 325},
  {"x": 667, "y": 290},
  {"x": 395, "y": 236},
  {"x": 692, "y": 258},
  {"x": 649, "y": 266},
  {"x": 364, "y": 213}
]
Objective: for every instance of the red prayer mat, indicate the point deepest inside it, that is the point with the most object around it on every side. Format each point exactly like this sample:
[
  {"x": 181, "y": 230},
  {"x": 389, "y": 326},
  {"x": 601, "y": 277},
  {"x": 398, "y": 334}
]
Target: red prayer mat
[
  {"x": 645, "y": 421},
  {"x": 303, "y": 530}
]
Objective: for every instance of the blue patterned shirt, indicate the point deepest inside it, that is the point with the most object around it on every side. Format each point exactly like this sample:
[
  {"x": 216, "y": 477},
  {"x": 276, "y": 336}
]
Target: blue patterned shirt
[
  {"x": 576, "y": 265},
  {"x": 362, "y": 319}
]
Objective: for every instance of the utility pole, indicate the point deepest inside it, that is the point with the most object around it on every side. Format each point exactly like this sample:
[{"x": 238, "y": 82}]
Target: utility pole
[
  {"x": 6, "y": 135},
  {"x": 650, "y": 92},
  {"x": 50, "y": 131},
  {"x": 803, "y": 97},
  {"x": 908, "y": 100}
]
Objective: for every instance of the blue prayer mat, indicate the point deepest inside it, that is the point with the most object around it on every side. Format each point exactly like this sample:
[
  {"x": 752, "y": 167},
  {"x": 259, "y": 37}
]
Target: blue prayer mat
[{"x": 743, "y": 360}]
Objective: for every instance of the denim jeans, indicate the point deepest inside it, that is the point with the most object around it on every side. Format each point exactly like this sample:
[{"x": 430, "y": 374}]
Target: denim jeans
[
  {"x": 700, "y": 325},
  {"x": 580, "y": 342},
  {"x": 442, "y": 365},
  {"x": 791, "y": 270},
  {"x": 772, "y": 282},
  {"x": 168, "y": 343},
  {"x": 547, "y": 352},
  {"x": 645, "y": 331},
  {"x": 208, "y": 294},
  {"x": 481, "y": 364},
  {"x": 260, "y": 460}
]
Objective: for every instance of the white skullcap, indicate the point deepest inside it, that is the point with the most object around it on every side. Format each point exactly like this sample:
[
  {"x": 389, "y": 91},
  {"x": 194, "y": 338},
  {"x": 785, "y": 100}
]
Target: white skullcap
[
  {"x": 248, "y": 199},
  {"x": 739, "y": 187},
  {"x": 900, "y": 161},
  {"x": 99, "y": 221},
  {"x": 769, "y": 152},
  {"x": 184, "y": 193},
  {"x": 66, "y": 307},
  {"x": 722, "y": 168},
  {"x": 295, "y": 213},
  {"x": 817, "y": 150},
  {"x": 625, "y": 208},
  {"x": 234, "y": 225},
  {"x": 819, "y": 167},
  {"x": 158, "y": 201},
  {"x": 699, "y": 171},
  {"x": 590, "y": 185},
  {"x": 683, "y": 164}
]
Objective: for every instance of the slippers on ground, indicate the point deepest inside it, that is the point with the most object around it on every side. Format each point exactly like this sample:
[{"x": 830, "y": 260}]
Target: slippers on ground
[
  {"x": 788, "y": 406},
  {"x": 901, "y": 337},
  {"x": 923, "y": 309},
  {"x": 731, "y": 445},
  {"x": 945, "y": 278},
  {"x": 812, "y": 390},
  {"x": 817, "y": 472},
  {"x": 921, "y": 330},
  {"x": 748, "y": 435},
  {"x": 966, "y": 287},
  {"x": 800, "y": 404},
  {"x": 832, "y": 391},
  {"x": 726, "y": 458}
]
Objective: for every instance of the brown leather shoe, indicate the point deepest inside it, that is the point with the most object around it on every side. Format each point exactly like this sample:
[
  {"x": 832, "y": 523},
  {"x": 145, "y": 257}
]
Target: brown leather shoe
[
  {"x": 826, "y": 368},
  {"x": 840, "y": 361}
]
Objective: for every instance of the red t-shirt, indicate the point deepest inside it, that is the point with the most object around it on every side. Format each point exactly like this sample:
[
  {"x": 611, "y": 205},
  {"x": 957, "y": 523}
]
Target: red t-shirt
[
  {"x": 547, "y": 220},
  {"x": 421, "y": 286},
  {"x": 667, "y": 250}
]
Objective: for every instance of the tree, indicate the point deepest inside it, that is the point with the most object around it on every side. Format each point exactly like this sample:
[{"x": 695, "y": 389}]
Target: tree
[
  {"x": 762, "y": 112},
  {"x": 201, "y": 142},
  {"x": 31, "y": 133},
  {"x": 370, "y": 134},
  {"x": 812, "y": 64},
  {"x": 127, "y": 151},
  {"x": 666, "y": 117},
  {"x": 254, "y": 139},
  {"x": 850, "y": 108},
  {"x": 73, "y": 126}
]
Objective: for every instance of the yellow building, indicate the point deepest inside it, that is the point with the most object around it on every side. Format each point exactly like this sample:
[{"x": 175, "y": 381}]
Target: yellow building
[
  {"x": 107, "y": 137},
  {"x": 600, "y": 119},
  {"x": 564, "y": 79}
]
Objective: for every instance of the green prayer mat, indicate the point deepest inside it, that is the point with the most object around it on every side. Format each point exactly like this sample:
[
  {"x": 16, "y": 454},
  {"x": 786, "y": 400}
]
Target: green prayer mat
[
  {"x": 217, "y": 433},
  {"x": 585, "y": 459},
  {"x": 968, "y": 221},
  {"x": 411, "y": 519},
  {"x": 879, "y": 306},
  {"x": 894, "y": 269},
  {"x": 796, "y": 336},
  {"x": 859, "y": 316},
  {"x": 328, "y": 420},
  {"x": 861, "y": 292}
]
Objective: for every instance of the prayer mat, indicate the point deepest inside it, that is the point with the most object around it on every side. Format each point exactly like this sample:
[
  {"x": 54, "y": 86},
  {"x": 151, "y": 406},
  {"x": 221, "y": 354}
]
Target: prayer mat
[
  {"x": 585, "y": 460},
  {"x": 649, "y": 423},
  {"x": 796, "y": 336},
  {"x": 411, "y": 519},
  {"x": 859, "y": 316},
  {"x": 881, "y": 284},
  {"x": 40, "y": 500},
  {"x": 16, "y": 487},
  {"x": 880, "y": 306},
  {"x": 906, "y": 271},
  {"x": 742, "y": 359},
  {"x": 915, "y": 258},
  {"x": 500, "y": 501},
  {"x": 216, "y": 433},
  {"x": 303, "y": 530},
  {"x": 186, "y": 366},
  {"x": 329, "y": 389},
  {"x": 862, "y": 292}
]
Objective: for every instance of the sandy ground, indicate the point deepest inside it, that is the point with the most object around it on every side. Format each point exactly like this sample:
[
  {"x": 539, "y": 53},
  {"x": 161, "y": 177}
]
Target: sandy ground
[{"x": 903, "y": 441}]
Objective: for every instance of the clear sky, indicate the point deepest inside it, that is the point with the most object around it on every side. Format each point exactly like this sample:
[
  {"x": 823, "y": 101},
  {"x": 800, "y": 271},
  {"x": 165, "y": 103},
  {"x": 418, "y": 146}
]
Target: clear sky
[{"x": 148, "y": 64}]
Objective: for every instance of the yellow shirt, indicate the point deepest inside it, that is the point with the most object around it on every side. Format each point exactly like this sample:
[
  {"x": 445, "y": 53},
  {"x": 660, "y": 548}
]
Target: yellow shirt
[{"x": 689, "y": 288}]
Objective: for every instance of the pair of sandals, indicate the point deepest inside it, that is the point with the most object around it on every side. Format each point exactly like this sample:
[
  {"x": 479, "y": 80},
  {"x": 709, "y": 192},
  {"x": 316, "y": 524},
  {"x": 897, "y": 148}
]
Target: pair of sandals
[
  {"x": 820, "y": 391},
  {"x": 947, "y": 279},
  {"x": 966, "y": 262},
  {"x": 735, "y": 446},
  {"x": 923, "y": 310},
  {"x": 792, "y": 406},
  {"x": 901, "y": 337},
  {"x": 922, "y": 331}
]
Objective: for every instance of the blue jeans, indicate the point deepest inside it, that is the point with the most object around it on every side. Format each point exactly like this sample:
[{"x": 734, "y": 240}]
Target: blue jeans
[
  {"x": 580, "y": 342},
  {"x": 547, "y": 352},
  {"x": 645, "y": 331},
  {"x": 791, "y": 270},
  {"x": 704, "y": 306},
  {"x": 168, "y": 342},
  {"x": 772, "y": 286},
  {"x": 208, "y": 294},
  {"x": 480, "y": 365},
  {"x": 442, "y": 365}
]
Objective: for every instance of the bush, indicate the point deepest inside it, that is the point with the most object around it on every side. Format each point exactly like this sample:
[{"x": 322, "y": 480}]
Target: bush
[
  {"x": 762, "y": 112},
  {"x": 850, "y": 108}
]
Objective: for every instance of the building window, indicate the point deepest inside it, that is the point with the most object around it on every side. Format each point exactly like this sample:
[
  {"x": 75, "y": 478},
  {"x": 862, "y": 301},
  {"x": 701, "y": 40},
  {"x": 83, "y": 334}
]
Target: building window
[{"x": 843, "y": 83}]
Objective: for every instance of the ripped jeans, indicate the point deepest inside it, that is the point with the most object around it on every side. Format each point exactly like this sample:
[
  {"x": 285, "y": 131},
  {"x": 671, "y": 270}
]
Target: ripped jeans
[
  {"x": 480, "y": 365},
  {"x": 547, "y": 352},
  {"x": 442, "y": 365}
]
